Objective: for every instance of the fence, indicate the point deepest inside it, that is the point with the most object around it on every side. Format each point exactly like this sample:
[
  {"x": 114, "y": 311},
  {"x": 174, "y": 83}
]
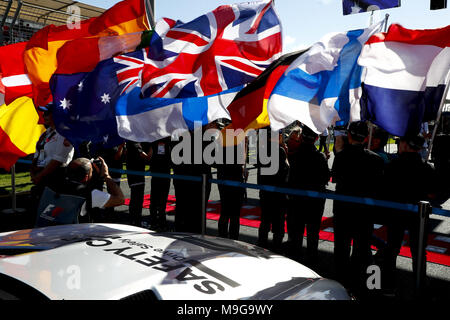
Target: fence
[{"x": 423, "y": 208}]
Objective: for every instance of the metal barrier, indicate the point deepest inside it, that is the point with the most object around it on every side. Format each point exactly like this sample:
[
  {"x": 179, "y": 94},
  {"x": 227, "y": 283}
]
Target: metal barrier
[
  {"x": 423, "y": 208},
  {"x": 297, "y": 192}
]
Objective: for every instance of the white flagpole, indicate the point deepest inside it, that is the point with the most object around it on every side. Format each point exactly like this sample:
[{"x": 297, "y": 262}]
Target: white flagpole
[{"x": 386, "y": 22}]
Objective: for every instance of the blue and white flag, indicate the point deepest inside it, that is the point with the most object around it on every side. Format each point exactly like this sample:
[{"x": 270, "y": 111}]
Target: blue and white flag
[
  {"x": 323, "y": 85},
  {"x": 150, "y": 119},
  {"x": 359, "y": 6},
  {"x": 85, "y": 102}
]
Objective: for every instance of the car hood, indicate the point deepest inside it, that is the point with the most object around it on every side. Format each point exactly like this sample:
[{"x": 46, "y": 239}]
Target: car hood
[{"x": 108, "y": 261}]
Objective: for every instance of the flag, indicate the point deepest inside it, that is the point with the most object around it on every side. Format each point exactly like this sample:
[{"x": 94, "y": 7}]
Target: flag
[
  {"x": 83, "y": 55},
  {"x": 40, "y": 56},
  {"x": 323, "y": 85},
  {"x": 405, "y": 78},
  {"x": 358, "y": 6},
  {"x": 248, "y": 110},
  {"x": 14, "y": 79},
  {"x": 150, "y": 119},
  {"x": 19, "y": 131},
  {"x": 215, "y": 52},
  {"x": 85, "y": 101}
]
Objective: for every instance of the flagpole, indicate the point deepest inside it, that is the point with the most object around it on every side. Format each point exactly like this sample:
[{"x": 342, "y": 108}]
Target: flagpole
[
  {"x": 150, "y": 6},
  {"x": 386, "y": 18},
  {"x": 370, "y": 135},
  {"x": 436, "y": 124}
]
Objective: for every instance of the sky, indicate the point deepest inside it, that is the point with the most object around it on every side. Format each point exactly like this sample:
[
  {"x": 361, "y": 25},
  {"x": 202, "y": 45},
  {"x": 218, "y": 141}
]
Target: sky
[{"x": 305, "y": 22}]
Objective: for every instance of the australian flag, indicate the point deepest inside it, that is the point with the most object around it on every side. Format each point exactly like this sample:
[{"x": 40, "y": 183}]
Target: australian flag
[
  {"x": 85, "y": 102},
  {"x": 359, "y": 6}
]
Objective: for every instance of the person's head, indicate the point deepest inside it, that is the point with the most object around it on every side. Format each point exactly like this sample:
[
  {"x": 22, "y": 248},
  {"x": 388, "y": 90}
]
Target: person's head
[
  {"x": 294, "y": 139},
  {"x": 357, "y": 132},
  {"x": 80, "y": 170},
  {"x": 379, "y": 138},
  {"x": 48, "y": 115},
  {"x": 411, "y": 143},
  {"x": 308, "y": 135}
]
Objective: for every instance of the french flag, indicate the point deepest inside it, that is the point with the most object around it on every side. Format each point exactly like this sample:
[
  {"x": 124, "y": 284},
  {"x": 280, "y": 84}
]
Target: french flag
[{"x": 405, "y": 76}]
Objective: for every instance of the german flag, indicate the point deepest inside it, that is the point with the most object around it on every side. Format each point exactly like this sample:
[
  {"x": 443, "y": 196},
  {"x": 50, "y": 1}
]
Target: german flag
[
  {"x": 248, "y": 110},
  {"x": 40, "y": 57},
  {"x": 19, "y": 131}
]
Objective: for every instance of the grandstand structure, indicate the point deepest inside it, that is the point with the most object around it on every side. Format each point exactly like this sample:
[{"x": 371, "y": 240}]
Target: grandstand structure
[{"x": 20, "y": 19}]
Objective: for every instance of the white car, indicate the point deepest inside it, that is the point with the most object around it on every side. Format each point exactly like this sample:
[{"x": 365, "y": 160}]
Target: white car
[{"x": 112, "y": 261}]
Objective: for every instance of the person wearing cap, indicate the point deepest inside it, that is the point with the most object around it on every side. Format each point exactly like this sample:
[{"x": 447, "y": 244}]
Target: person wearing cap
[
  {"x": 357, "y": 172},
  {"x": 160, "y": 162},
  {"x": 273, "y": 204},
  {"x": 323, "y": 147},
  {"x": 408, "y": 179},
  {"x": 379, "y": 141},
  {"x": 53, "y": 154},
  {"x": 293, "y": 140},
  {"x": 189, "y": 193},
  {"x": 231, "y": 198},
  {"x": 138, "y": 155},
  {"x": 339, "y": 138},
  {"x": 308, "y": 171},
  {"x": 83, "y": 176}
]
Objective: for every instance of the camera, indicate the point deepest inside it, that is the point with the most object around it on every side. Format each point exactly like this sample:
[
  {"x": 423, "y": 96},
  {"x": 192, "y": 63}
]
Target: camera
[
  {"x": 97, "y": 180},
  {"x": 98, "y": 163}
]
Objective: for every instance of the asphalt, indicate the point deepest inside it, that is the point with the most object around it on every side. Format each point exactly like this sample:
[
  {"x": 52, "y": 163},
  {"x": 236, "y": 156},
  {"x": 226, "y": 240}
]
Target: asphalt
[{"x": 437, "y": 282}]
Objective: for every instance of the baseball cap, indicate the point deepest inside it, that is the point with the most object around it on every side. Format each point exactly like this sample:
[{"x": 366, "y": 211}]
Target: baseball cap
[
  {"x": 414, "y": 141},
  {"x": 358, "y": 130},
  {"x": 308, "y": 133}
]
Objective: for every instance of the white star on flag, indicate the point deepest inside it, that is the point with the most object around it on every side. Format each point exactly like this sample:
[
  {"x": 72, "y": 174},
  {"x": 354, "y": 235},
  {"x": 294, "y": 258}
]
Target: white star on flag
[
  {"x": 105, "y": 139},
  {"x": 106, "y": 98},
  {"x": 65, "y": 104},
  {"x": 80, "y": 86}
]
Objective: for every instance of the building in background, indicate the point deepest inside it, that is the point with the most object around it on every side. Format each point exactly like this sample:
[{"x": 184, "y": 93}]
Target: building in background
[{"x": 19, "y": 19}]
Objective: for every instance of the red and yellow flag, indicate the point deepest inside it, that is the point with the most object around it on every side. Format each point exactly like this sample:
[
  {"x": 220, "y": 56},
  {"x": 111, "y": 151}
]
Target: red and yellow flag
[
  {"x": 14, "y": 80},
  {"x": 40, "y": 57},
  {"x": 19, "y": 131}
]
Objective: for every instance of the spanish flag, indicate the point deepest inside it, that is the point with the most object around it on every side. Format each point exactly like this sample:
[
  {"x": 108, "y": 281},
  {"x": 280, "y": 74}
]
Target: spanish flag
[
  {"x": 40, "y": 57},
  {"x": 19, "y": 131},
  {"x": 14, "y": 80}
]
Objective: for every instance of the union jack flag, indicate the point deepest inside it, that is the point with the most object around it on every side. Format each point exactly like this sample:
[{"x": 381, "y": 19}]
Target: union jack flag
[
  {"x": 130, "y": 74},
  {"x": 220, "y": 50}
]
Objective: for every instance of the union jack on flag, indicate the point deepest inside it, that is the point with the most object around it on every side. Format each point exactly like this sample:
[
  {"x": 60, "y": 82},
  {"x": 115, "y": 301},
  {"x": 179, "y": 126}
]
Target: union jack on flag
[
  {"x": 220, "y": 50},
  {"x": 129, "y": 74}
]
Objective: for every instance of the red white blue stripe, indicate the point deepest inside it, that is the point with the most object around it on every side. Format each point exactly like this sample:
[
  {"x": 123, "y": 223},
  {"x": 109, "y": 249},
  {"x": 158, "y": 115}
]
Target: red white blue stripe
[{"x": 405, "y": 77}]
